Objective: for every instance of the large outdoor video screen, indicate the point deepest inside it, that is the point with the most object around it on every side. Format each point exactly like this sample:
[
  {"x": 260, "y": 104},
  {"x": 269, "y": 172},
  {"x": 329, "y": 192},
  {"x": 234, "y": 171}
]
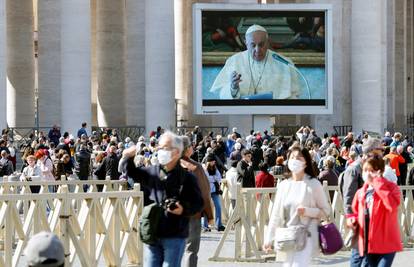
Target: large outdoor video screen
[{"x": 262, "y": 59}]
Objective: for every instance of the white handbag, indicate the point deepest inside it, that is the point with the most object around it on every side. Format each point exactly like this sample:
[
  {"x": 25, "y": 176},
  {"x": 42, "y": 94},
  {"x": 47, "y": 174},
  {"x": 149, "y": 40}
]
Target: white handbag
[{"x": 292, "y": 238}]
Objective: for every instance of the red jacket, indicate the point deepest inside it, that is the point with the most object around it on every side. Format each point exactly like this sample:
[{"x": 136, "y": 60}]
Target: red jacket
[
  {"x": 395, "y": 160},
  {"x": 384, "y": 233},
  {"x": 264, "y": 179}
]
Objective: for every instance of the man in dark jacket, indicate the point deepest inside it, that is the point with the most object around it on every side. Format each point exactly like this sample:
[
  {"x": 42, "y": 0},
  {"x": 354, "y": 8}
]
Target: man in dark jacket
[
  {"x": 257, "y": 155},
  {"x": 168, "y": 181},
  {"x": 110, "y": 164},
  {"x": 83, "y": 162},
  {"x": 245, "y": 169},
  {"x": 54, "y": 134}
]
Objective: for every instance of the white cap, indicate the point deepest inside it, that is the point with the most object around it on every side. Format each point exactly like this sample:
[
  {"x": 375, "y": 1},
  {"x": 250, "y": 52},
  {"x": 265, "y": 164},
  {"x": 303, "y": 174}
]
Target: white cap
[
  {"x": 45, "y": 246},
  {"x": 255, "y": 28}
]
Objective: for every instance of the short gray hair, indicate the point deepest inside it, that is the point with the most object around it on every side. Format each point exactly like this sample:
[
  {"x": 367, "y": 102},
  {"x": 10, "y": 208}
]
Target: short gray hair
[{"x": 176, "y": 141}]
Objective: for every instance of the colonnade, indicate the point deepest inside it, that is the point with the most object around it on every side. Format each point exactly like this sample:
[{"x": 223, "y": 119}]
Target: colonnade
[{"x": 129, "y": 62}]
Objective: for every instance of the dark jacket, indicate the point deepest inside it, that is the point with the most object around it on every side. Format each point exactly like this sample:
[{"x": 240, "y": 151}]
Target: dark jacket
[
  {"x": 246, "y": 174},
  {"x": 83, "y": 162},
  {"x": 54, "y": 136},
  {"x": 110, "y": 165},
  {"x": 257, "y": 156},
  {"x": 178, "y": 184},
  {"x": 6, "y": 168}
]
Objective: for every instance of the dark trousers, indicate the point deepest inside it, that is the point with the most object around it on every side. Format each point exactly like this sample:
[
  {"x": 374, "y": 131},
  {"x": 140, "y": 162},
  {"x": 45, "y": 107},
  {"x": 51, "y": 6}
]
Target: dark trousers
[
  {"x": 380, "y": 260},
  {"x": 84, "y": 178}
]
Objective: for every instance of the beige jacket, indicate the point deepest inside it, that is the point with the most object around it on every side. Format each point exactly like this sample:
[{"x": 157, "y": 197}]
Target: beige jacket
[{"x": 316, "y": 205}]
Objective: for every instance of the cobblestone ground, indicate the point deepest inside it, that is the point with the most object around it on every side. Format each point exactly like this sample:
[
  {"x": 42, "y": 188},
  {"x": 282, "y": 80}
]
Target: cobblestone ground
[{"x": 210, "y": 241}]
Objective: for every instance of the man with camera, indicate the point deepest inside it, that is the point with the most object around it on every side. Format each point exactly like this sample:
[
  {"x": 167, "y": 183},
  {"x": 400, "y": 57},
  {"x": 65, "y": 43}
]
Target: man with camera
[{"x": 177, "y": 191}]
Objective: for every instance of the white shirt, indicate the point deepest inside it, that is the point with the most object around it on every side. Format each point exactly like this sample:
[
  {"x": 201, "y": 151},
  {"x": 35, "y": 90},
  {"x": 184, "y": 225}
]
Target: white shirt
[
  {"x": 389, "y": 174},
  {"x": 249, "y": 141},
  {"x": 213, "y": 178},
  {"x": 258, "y": 77},
  {"x": 231, "y": 178},
  {"x": 34, "y": 172}
]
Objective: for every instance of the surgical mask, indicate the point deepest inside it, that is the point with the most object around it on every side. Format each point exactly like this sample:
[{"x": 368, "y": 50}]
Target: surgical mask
[
  {"x": 296, "y": 165},
  {"x": 164, "y": 156},
  {"x": 365, "y": 176}
]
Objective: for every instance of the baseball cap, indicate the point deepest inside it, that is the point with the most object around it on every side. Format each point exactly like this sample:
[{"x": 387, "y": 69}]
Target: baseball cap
[{"x": 45, "y": 249}]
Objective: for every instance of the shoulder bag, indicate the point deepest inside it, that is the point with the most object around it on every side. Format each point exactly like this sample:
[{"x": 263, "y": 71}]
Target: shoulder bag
[{"x": 292, "y": 237}]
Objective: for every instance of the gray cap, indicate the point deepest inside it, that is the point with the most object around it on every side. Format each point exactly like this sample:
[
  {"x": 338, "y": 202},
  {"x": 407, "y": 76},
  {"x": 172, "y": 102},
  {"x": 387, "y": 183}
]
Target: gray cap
[
  {"x": 371, "y": 144},
  {"x": 44, "y": 249}
]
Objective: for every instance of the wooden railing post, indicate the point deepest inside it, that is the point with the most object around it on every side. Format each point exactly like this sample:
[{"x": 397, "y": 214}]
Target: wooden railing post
[{"x": 64, "y": 218}]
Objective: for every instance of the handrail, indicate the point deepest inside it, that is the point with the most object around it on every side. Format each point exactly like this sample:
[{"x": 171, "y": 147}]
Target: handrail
[
  {"x": 204, "y": 129},
  {"x": 250, "y": 219},
  {"x": 104, "y": 225}
]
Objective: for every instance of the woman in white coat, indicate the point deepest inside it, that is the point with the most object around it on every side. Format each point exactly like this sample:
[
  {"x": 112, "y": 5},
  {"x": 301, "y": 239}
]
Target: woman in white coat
[{"x": 299, "y": 200}]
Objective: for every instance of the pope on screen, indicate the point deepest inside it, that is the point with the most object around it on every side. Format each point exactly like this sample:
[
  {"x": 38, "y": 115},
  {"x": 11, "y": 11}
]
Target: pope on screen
[{"x": 257, "y": 73}]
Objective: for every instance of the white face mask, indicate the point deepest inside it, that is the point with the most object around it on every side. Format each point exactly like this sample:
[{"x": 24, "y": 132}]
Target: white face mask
[
  {"x": 365, "y": 176},
  {"x": 164, "y": 156},
  {"x": 296, "y": 165}
]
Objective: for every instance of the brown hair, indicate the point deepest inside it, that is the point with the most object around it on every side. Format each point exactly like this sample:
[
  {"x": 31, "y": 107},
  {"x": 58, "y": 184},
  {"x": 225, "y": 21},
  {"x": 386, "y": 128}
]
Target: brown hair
[{"x": 376, "y": 162}]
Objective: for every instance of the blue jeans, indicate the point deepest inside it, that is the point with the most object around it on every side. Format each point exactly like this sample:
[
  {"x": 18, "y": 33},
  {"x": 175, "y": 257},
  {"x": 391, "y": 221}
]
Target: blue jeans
[
  {"x": 380, "y": 260},
  {"x": 167, "y": 252},
  {"x": 217, "y": 205},
  {"x": 356, "y": 260}
]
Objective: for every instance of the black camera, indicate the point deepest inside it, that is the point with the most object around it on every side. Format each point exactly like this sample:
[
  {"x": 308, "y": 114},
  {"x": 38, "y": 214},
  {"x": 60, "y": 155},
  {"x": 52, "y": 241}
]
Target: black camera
[{"x": 170, "y": 203}]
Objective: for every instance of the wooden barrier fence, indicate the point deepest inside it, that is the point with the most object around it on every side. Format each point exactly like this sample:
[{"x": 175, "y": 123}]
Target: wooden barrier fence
[
  {"x": 92, "y": 226},
  {"x": 250, "y": 218}
]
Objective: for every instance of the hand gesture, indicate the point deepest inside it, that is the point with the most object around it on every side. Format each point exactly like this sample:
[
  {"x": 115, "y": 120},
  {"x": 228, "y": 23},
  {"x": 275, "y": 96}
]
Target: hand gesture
[
  {"x": 267, "y": 248},
  {"x": 178, "y": 210},
  {"x": 351, "y": 223},
  {"x": 235, "y": 79},
  {"x": 301, "y": 210}
]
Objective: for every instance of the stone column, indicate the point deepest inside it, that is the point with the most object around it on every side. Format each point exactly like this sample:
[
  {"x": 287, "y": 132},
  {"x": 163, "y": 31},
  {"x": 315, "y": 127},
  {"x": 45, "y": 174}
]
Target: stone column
[
  {"x": 368, "y": 61},
  {"x": 20, "y": 64},
  {"x": 3, "y": 63},
  {"x": 110, "y": 56},
  {"x": 75, "y": 64},
  {"x": 159, "y": 61},
  {"x": 135, "y": 62},
  {"x": 409, "y": 57},
  {"x": 49, "y": 103},
  {"x": 341, "y": 16},
  {"x": 400, "y": 71}
]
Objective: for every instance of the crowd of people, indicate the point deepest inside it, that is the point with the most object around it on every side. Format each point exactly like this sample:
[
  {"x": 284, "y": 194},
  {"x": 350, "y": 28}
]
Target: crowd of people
[{"x": 189, "y": 169}]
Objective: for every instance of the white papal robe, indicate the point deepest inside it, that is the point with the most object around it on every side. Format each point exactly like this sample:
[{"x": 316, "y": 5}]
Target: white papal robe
[{"x": 274, "y": 74}]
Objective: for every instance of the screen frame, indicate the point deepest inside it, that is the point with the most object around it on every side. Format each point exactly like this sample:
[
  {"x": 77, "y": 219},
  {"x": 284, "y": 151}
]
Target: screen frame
[{"x": 262, "y": 109}]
